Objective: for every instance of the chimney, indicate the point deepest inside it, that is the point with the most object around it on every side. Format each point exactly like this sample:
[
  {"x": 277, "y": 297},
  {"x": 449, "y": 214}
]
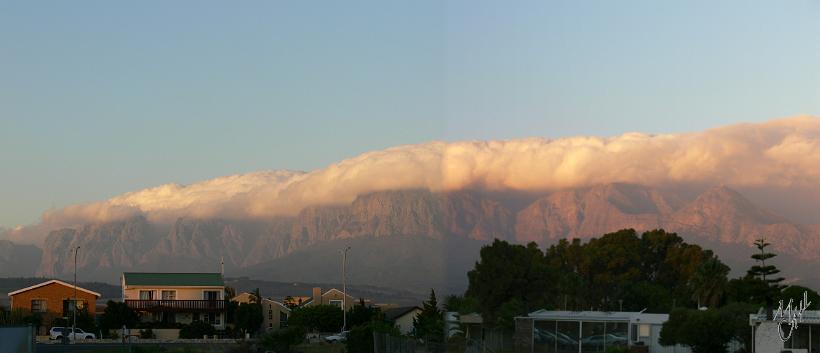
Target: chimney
[{"x": 317, "y": 296}]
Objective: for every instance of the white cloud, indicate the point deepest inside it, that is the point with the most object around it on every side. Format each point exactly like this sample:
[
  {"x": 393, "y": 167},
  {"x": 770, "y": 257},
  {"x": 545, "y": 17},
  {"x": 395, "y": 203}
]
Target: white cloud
[{"x": 779, "y": 154}]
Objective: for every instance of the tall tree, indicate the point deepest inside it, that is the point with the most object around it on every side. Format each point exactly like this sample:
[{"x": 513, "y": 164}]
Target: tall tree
[
  {"x": 506, "y": 271},
  {"x": 429, "y": 323},
  {"x": 762, "y": 270},
  {"x": 709, "y": 281}
]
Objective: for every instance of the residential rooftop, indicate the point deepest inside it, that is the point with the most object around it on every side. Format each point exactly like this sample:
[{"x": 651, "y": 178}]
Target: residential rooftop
[{"x": 161, "y": 279}]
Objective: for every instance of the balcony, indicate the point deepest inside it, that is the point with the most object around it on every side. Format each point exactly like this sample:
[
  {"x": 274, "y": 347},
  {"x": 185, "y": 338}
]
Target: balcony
[{"x": 176, "y": 305}]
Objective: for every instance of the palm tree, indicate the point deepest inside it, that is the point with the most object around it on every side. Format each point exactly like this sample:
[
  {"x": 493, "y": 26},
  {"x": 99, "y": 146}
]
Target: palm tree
[{"x": 709, "y": 281}]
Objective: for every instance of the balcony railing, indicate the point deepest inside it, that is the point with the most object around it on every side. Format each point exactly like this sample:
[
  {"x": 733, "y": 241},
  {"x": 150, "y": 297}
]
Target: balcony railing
[{"x": 176, "y": 305}]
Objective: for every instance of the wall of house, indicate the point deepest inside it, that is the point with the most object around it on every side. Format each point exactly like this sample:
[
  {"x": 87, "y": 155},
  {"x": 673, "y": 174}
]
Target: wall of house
[
  {"x": 405, "y": 322},
  {"x": 271, "y": 311},
  {"x": 334, "y": 295},
  {"x": 191, "y": 293},
  {"x": 54, "y": 294}
]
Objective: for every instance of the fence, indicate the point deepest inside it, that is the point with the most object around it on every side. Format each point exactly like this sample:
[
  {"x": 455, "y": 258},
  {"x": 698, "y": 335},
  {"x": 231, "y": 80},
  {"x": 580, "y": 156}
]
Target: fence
[{"x": 17, "y": 339}]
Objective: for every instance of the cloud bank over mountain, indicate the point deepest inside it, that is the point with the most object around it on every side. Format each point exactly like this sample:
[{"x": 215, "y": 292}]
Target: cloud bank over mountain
[{"x": 777, "y": 154}]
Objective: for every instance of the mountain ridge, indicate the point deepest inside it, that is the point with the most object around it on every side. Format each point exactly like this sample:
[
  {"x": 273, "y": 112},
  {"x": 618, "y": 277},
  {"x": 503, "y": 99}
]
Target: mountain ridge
[{"x": 444, "y": 220}]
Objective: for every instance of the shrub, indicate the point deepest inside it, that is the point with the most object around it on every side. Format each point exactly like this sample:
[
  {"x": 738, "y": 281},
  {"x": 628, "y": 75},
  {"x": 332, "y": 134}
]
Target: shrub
[
  {"x": 196, "y": 329},
  {"x": 147, "y": 333},
  {"x": 281, "y": 341}
]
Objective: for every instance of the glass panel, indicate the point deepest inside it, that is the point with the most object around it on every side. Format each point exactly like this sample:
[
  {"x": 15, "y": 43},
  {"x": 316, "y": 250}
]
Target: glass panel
[
  {"x": 169, "y": 295},
  {"x": 616, "y": 334},
  {"x": 592, "y": 339},
  {"x": 567, "y": 336},
  {"x": 211, "y": 295},
  {"x": 799, "y": 339},
  {"x": 543, "y": 335},
  {"x": 146, "y": 295},
  {"x": 815, "y": 338}
]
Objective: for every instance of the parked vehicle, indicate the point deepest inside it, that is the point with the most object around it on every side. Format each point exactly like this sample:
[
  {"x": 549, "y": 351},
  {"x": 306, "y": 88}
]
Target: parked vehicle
[
  {"x": 59, "y": 333},
  {"x": 339, "y": 337}
]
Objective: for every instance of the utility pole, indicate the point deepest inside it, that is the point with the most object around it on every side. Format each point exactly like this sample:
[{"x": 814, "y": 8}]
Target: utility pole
[
  {"x": 74, "y": 303},
  {"x": 344, "y": 288}
]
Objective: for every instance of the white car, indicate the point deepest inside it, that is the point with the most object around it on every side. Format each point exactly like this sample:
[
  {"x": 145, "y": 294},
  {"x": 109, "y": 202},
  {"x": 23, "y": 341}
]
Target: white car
[
  {"x": 58, "y": 333},
  {"x": 339, "y": 337}
]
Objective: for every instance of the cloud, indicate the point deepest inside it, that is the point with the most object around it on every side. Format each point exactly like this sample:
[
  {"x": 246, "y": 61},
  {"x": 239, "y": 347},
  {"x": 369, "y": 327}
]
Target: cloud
[{"x": 781, "y": 153}]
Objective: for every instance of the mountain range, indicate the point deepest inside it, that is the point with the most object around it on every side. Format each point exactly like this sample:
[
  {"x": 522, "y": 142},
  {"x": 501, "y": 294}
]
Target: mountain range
[{"x": 415, "y": 239}]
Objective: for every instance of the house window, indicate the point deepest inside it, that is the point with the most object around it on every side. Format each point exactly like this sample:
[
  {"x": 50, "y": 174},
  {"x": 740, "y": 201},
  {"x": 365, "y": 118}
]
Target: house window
[
  {"x": 38, "y": 305},
  {"x": 213, "y": 318},
  {"x": 643, "y": 330},
  {"x": 270, "y": 314},
  {"x": 67, "y": 308},
  {"x": 169, "y": 295},
  {"x": 210, "y": 295},
  {"x": 283, "y": 319},
  {"x": 146, "y": 295},
  {"x": 336, "y": 302},
  {"x": 270, "y": 325}
]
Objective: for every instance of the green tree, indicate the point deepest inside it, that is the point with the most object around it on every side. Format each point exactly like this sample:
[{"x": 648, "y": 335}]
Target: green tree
[
  {"x": 317, "y": 318},
  {"x": 461, "y": 304},
  {"x": 703, "y": 331},
  {"x": 429, "y": 323},
  {"x": 117, "y": 314},
  {"x": 795, "y": 293},
  {"x": 360, "y": 338},
  {"x": 249, "y": 317},
  {"x": 709, "y": 281},
  {"x": 762, "y": 270},
  {"x": 361, "y": 314},
  {"x": 506, "y": 271}
]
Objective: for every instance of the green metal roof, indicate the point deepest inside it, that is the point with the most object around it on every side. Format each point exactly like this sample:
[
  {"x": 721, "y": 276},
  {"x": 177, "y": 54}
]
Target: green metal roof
[{"x": 173, "y": 279}]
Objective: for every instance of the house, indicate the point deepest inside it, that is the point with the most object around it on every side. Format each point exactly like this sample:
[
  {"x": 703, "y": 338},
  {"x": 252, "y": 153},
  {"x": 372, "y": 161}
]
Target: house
[
  {"x": 804, "y": 338},
  {"x": 590, "y": 331},
  {"x": 53, "y": 298},
  {"x": 402, "y": 318},
  {"x": 176, "y": 297},
  {"x": 332, "y": 297},
  {"x": 275, "y": 314}
]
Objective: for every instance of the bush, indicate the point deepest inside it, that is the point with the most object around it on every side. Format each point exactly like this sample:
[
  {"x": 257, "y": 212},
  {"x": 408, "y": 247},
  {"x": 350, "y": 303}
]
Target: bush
[
  {"x": 281, "y": 341},
  {"x": 196, "y": 329},
  {"x": 147, "y": 333}
]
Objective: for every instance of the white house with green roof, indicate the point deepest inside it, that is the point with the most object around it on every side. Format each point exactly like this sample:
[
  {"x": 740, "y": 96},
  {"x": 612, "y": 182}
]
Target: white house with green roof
[{"x": 176, "y": 297}]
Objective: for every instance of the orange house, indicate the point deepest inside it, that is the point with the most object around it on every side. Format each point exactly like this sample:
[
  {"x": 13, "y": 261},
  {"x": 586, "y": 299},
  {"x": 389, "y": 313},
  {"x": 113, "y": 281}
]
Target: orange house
[{"x": 53, "y": 297}]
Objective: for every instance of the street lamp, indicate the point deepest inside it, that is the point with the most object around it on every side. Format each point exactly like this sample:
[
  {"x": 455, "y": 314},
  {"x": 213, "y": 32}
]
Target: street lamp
[
  {"x": 344, "y": 288},
  {"x": 74, "y": 303}
]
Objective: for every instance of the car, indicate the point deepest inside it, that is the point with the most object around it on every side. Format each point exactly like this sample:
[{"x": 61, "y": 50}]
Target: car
[
  {"x": 59, "y": 333},
  {"x": 339, "y": 337}
]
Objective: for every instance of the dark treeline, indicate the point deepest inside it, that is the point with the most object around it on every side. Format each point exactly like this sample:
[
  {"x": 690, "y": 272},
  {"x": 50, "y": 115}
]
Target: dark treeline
[{"x": 654, "y": 271}]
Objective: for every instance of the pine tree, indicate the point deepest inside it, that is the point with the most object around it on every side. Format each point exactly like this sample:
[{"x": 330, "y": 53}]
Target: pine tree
[
  {"x": 429, "y": 323},
  {"x": 763, "y": 271}
]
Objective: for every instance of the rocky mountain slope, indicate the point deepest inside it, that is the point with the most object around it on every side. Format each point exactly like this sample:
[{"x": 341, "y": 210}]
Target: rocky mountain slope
[{"x": 415, "y": 239}]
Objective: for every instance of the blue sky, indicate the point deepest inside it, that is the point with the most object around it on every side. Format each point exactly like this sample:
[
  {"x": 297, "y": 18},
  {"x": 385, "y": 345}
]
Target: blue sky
[{"x": 101, "y": 98}]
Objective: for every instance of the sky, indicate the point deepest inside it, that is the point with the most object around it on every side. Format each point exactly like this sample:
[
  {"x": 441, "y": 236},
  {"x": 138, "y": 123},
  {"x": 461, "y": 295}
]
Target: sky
[{"x": 100, "y": 98}]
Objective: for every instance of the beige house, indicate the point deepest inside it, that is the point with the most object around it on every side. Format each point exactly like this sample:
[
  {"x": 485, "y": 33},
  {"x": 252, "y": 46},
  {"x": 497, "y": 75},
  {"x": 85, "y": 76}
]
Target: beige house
[
  {"x": 275, "y": 314},
  {"x": 332, "y": 297},
  {"x": 403, "y": 318},
  {"x": 176, "y": 297}
]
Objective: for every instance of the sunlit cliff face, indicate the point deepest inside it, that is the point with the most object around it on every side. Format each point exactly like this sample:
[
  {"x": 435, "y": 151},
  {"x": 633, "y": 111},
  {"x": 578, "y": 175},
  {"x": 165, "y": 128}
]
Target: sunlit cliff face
[{"x": 779, "y": 154}]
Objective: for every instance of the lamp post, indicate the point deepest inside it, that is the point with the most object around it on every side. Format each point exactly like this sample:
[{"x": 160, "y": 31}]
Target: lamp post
[
  {"x": 74, "y": 303},
  {"x": 344, "y": 288}
]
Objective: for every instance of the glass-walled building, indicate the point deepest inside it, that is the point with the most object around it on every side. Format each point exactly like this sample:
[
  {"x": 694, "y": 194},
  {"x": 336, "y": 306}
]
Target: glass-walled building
[{"x": 546, "y": 331}]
